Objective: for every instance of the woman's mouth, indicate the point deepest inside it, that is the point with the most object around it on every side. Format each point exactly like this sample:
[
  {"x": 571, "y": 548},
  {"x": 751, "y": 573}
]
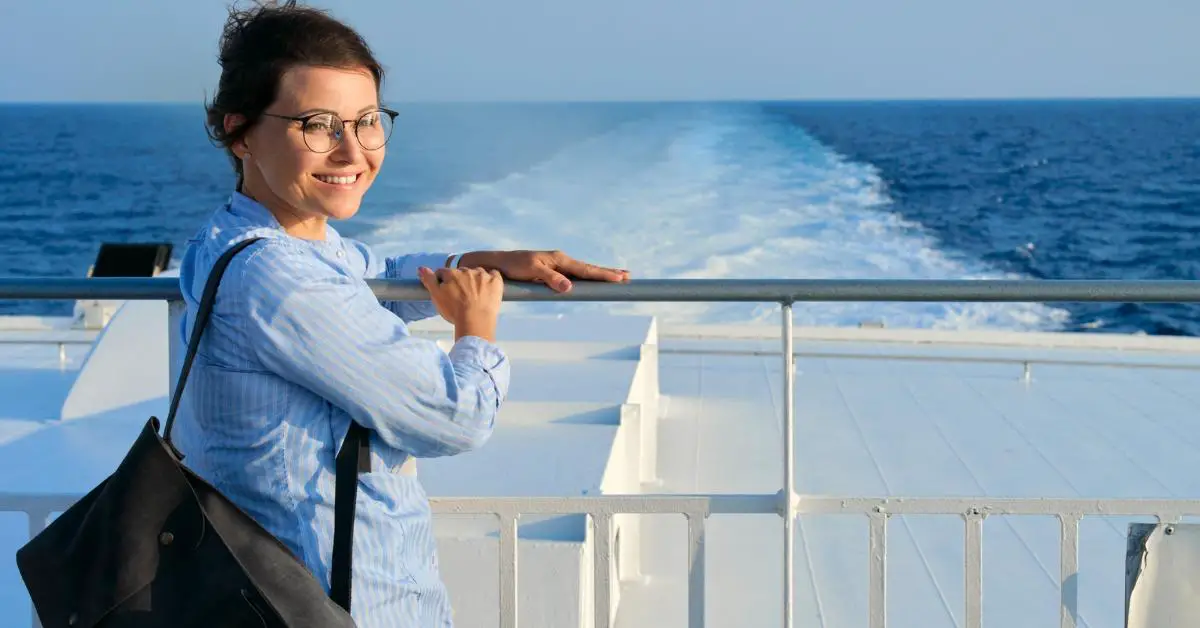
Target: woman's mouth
[{"x": 340, "y": 180}]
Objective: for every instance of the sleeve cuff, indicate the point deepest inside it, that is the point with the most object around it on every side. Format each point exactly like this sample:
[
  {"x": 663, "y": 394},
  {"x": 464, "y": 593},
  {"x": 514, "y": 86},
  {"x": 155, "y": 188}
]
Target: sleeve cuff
[
  {"x": 487, "y": 357},
  {"x": 405, "y": 266}
]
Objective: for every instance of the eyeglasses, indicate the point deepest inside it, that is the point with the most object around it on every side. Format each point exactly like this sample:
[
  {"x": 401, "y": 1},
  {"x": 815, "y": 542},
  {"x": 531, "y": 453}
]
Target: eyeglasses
[{"x": 324, "y": 131}]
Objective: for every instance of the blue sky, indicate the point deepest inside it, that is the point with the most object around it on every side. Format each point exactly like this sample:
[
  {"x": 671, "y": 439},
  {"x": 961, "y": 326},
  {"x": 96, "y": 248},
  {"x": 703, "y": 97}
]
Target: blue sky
[{"x": 153, "y": 50}]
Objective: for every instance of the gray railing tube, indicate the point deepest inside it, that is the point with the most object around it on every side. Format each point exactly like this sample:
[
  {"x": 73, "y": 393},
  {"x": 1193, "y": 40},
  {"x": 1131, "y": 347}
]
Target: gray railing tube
[{"x": 689, "y": 290}]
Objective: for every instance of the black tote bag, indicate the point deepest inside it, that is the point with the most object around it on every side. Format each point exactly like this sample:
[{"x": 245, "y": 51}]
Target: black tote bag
[{"x": 154, "y": 545}]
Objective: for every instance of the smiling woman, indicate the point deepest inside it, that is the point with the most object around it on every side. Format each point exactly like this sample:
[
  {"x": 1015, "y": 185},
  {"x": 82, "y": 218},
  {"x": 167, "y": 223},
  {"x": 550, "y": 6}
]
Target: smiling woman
[
  {"x": 299, "y": 353},
  {"x": 301, "y": 157}
]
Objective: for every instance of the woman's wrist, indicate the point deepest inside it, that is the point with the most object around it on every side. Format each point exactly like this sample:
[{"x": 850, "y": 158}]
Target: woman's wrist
[
  {"x": 479, "y": 326},
  {"x": 475, "y": 259}
]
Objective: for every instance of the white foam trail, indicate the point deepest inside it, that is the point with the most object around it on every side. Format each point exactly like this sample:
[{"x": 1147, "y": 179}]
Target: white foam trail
[{"x": 712, "y": 193}]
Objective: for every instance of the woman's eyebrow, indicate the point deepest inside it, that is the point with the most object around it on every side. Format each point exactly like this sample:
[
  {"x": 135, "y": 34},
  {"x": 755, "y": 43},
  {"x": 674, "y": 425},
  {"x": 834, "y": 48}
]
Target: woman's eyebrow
[{"x": 311, "y": 111}]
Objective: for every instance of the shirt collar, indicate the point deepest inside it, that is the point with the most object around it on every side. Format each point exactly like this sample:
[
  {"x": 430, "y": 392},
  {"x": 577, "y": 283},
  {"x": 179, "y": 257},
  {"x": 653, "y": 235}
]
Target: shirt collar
[
  {"x": 249, "y": 209},
  {"x": 258, "y": 215}
]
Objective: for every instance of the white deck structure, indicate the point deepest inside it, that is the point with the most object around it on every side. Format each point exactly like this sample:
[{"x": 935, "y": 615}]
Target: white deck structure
[{"x": 887, "y": 422}]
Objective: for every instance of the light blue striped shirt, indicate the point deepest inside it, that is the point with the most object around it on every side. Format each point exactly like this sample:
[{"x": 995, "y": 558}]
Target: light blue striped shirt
[{"x": 297, "y": 346}]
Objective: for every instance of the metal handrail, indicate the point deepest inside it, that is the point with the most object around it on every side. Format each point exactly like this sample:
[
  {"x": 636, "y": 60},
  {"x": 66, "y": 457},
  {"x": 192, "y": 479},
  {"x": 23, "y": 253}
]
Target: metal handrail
[{"x": 688, "y": 290}]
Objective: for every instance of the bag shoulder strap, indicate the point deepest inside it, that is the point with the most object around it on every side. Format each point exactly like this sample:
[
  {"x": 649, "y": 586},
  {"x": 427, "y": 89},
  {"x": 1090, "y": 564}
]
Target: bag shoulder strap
[
  {"x": 203, "y": 313},
  {"x": 354, "y": 457}
]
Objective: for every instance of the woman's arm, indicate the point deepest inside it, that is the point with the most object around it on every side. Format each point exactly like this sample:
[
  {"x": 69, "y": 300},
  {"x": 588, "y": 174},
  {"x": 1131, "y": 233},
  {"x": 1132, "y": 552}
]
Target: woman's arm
[{"x": 328, "y": 333}]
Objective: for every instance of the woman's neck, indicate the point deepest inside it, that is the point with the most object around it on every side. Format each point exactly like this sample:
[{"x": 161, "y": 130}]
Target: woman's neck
[{"x": 297, "y": 225}]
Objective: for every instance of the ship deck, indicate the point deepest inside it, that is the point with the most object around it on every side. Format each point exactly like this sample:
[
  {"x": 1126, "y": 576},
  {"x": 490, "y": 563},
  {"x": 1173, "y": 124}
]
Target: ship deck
[
  {"x": 879, "y": 413},
  {"x": 948, "y": 414}
]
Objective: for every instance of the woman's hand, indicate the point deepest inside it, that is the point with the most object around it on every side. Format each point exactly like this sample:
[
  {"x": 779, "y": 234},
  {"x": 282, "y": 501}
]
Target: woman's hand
[
  {"x": 468, "y": 298},
  {"x": 549, "y": 267}
]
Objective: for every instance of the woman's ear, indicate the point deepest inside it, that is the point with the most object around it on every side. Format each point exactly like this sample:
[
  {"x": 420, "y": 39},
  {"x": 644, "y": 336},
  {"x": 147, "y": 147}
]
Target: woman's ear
[{"x": 232, "y": 122}]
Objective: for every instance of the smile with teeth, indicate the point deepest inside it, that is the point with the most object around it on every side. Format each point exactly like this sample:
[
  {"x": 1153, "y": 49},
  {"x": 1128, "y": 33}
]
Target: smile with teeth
[{"x": 337, "y": 180}]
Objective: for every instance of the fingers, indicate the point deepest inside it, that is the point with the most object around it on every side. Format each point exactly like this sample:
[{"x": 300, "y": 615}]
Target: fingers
[
  {"x": 482, "y": 277},
  {"x": 428, "y": 278},
  {"x": 556, "y": 280},
  {"x": 496, "y": 282},
  {"x": 584, "y": 270},
  {"x": 433, "y": 279},
  {"x": 603, "y": 273}
]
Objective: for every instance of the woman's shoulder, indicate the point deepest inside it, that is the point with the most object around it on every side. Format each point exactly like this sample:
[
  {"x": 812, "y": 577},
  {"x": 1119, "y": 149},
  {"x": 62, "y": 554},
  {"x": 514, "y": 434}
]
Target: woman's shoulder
[
  {"x": 279, "y": 262},
  {"x": 268, "y": 262}
]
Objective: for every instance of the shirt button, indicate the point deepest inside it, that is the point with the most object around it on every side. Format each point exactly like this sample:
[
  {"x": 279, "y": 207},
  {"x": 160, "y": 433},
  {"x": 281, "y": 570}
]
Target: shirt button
[{"x": 341, "y": 253}]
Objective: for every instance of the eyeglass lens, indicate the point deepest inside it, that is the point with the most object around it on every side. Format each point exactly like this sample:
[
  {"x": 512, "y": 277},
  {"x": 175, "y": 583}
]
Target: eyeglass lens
[{"x": 323, "y": 132}]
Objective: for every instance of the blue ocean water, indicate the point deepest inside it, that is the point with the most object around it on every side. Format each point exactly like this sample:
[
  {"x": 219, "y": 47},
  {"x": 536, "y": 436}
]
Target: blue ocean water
[{"x": 1093, "y": 189}]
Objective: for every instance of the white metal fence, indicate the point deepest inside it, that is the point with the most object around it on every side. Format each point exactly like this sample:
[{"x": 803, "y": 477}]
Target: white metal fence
[{"x": 696, "y": 508}]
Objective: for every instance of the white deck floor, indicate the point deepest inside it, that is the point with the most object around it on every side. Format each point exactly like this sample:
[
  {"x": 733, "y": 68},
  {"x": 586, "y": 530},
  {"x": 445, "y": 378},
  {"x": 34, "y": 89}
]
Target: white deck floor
[{"x": 902, "y": 428}]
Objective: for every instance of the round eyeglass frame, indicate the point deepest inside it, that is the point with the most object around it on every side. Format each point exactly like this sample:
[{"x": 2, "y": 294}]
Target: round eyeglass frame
[{"x": 340, "y": 132}]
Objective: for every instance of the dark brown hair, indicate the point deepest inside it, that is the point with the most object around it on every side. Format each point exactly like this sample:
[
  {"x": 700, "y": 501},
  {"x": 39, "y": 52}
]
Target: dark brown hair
[{"x": 259, "y": 45}]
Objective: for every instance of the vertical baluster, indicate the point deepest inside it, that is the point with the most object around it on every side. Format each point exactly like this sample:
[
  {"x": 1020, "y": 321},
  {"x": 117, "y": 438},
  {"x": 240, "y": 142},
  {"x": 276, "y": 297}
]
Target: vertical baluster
[
  {"x": 789, "y": 465},
  {"x": 877, "y": 613},
  {"x": 1069, "y": 568},
  {"x": 696, "y": 554},
  {"x": 508, "y": 569},
  {"x": 602, "y": 542},
  {"x": 974, "y": 568}
]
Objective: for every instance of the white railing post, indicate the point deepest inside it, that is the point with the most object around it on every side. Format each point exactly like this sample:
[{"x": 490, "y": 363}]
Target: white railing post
[
  {"x": 1069, "y": 568},
  {"x": 973, "y": 569},
  {"x": 602, "y": 542},
  {"x": 508, "y": 568},
  {"x": 877, "y": 570},
  {"x": 789, "y": 465},
  {"x": 696, "y": 593}
]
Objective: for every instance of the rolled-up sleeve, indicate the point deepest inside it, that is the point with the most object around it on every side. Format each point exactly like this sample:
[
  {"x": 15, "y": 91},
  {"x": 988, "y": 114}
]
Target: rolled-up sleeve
[
  {"x": 327, "y": 332},
  {"x": 401, "y": 267},
  {"x": 405, "y": 267}
]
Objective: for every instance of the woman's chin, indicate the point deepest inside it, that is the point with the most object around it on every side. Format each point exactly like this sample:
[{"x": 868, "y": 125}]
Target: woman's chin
[
  {"x": 340, "y": 211},
  {"x": 338, "y": 206}
]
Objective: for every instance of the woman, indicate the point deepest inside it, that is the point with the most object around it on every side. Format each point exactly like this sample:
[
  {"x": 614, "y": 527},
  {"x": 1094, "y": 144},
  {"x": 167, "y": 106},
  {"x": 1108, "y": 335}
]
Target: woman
[{"x": 298, "y": 345}]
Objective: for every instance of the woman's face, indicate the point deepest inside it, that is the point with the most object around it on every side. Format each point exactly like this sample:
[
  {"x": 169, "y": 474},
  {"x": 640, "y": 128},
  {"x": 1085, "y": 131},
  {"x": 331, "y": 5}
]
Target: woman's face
[{"x": 301, "y": 186}]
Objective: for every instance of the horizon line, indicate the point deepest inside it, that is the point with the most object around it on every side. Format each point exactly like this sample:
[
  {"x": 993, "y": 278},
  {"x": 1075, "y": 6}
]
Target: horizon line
[{"x": 667, "y": 101}]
